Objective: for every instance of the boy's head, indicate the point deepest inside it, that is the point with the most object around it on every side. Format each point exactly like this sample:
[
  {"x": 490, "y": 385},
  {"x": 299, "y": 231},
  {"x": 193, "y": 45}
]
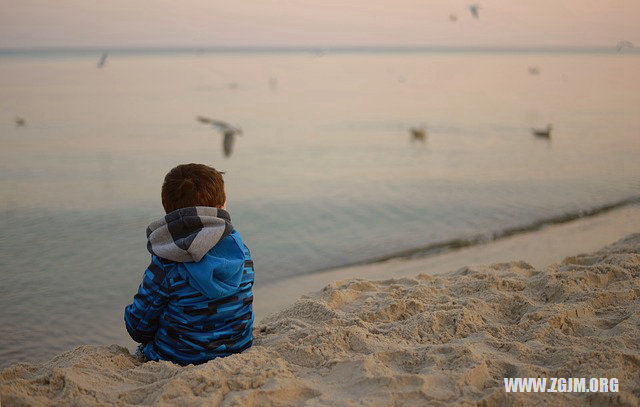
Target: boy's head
[{"x": 193, "y": 185}]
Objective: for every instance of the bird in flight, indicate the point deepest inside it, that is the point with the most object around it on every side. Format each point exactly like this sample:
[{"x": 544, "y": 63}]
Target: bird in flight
[
  {"x": 624, "y": 44},
  {"x": 473, "y": 8},
  {"x": 229, "y": 133},
  {"x": 103, "y": 59}
]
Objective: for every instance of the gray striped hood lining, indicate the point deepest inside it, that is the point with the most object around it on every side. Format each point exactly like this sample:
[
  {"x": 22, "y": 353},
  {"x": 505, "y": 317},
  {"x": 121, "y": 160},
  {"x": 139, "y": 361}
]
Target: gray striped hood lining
[{"x": 187, "y": 234}]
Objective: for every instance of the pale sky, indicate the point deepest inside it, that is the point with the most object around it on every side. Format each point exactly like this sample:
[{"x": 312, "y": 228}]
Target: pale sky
[{"x": 202, "y": 23}]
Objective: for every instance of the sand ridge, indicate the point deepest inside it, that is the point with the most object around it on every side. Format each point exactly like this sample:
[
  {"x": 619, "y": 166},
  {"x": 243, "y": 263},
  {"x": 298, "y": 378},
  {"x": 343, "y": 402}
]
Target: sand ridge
[{"x": 446, "y": 339}]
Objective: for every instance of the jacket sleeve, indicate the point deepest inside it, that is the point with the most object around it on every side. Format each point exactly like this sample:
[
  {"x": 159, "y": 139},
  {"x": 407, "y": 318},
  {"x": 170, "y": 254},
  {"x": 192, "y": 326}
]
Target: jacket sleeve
[{"x": 141, "y": 317}]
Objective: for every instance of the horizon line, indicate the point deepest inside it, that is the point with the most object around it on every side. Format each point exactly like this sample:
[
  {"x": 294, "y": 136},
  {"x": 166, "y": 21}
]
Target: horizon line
[{"x": 318, "y": 49}]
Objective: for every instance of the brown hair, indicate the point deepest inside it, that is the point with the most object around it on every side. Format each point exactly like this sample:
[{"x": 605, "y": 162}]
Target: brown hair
[{"x": 192, "y": 185}]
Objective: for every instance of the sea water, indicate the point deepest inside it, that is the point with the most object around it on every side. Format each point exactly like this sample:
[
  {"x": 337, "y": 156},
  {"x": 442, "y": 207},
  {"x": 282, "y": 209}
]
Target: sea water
[{"x": 325, "y": 172}]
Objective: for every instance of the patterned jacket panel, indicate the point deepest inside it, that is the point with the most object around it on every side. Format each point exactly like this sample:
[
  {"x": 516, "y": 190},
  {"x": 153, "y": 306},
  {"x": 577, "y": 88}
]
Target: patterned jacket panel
[{"x": 194, "y": 312}]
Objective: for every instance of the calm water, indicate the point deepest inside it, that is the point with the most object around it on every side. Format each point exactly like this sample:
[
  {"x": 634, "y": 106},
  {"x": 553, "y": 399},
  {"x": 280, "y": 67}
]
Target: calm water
[{"x": 324, "y": 175}]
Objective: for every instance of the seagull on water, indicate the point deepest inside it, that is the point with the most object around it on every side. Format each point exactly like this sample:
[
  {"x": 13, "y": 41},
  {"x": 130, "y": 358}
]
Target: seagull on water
[
  {"x": 229, "y": 132},
  {"x": 418, "y": 134},
  {"x": 546, "y": 133}
]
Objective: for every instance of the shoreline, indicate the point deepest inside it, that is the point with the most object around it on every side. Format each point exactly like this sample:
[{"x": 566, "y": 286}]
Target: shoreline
[
  {"x": 548, "y": 243},
  {"x": 451, "y": 245}
]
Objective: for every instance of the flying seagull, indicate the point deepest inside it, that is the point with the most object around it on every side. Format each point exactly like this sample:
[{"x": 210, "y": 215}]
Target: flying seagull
[
  {"x": 473, "y": 8},
  {"x": 546, "y": 133},
  {"x": 229, "y": 132},
  {"x": 624, "y": 44},
  {"x": 103, "y": 59}
]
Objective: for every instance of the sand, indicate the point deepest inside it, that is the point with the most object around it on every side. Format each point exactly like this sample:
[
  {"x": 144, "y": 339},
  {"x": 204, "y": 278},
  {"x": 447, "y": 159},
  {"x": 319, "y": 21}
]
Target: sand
[{"x": 446, "y": 339}]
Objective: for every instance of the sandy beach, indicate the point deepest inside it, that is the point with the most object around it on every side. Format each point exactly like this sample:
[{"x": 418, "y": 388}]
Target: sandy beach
[
  {"x": 442, "y": 336},
  {"x": 331, "y": 204}
]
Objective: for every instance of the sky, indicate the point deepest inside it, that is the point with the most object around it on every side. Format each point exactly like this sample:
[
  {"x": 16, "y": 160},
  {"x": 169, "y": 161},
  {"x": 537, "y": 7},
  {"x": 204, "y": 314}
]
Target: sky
[{"x": 326, "y": 23}]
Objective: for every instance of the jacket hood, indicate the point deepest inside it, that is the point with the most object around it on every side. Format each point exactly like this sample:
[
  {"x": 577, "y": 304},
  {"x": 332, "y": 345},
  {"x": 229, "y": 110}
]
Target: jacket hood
[
  {"x": 187, "y": 234},
  {"x": 219, "y": 273}
]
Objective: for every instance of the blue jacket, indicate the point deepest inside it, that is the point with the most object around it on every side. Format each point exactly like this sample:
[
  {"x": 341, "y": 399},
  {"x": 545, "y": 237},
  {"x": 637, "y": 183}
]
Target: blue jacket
[{"x": 195, "y": 300}]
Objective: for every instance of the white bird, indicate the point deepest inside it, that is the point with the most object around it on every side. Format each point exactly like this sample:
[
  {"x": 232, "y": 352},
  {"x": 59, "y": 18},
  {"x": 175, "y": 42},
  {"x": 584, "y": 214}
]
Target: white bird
[
  {"x": 546, "y": 133},
  {"x": 229, "y": 132},
  {"x": 473, "y": 8},
  {"x": 624, "y": 44}
]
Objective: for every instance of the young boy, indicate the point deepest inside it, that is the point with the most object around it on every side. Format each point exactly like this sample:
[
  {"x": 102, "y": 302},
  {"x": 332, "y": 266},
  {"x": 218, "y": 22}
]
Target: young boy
[{"x": 195, "y": 300}]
